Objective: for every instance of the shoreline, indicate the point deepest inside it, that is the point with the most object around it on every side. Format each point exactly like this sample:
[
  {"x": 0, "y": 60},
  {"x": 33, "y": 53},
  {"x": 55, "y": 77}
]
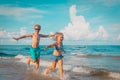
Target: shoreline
[
  {"x": 17, "y": 68},
  {"x": 12, "y": 70}
]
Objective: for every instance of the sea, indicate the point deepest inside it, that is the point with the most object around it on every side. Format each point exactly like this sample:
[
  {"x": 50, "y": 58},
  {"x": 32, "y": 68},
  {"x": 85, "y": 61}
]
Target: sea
[{"x": 80, "y": 62}]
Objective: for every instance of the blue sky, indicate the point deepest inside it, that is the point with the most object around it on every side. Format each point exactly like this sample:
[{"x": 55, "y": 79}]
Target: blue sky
[{"x": 83, "y": 22}]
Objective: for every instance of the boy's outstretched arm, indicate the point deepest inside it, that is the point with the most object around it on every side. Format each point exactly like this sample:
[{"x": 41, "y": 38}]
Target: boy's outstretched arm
[
  {"x": 24, "y": 36},
  {"x": 46, "y": 36}
]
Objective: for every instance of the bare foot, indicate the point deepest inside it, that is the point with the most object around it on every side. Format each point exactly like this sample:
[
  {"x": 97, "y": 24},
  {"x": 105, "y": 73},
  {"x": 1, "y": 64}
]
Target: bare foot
[
  {"x": 46, "y": 73},
  {"x": 35, "y": 71},
  {"x": 61, "y": 78}
]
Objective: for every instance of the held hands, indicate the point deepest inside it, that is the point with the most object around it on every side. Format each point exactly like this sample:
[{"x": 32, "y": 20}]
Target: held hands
[{"x": 46, "y": 47}]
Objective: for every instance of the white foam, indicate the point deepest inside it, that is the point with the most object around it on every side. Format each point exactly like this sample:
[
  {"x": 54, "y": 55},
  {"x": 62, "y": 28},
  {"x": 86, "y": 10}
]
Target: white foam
[
  {"x": 81, "y": 70},
  {"x": 73, "y": 53},
  {"x": 45, "y": 63},
  {"x": 114, "y": 75},
  {"x": 66, "y": 76},
  {"x": 5, "y": 57},
  {"x": 67, "y": 67},
  {"x": 22, "y": 58},
  {"x": 78, "y": 54},
  {"x": 75, "y": 60}
]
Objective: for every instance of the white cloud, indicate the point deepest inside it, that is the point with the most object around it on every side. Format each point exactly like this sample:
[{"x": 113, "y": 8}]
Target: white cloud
[
  {"x": 19, "y": 12},
  {"x": 5, "y": 34},
  {"x": 79, "y": 29},
  {"x": 100, "y": 34}
]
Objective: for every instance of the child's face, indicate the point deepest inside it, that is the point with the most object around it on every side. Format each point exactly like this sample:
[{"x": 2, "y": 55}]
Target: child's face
[
  {"x": 37, "y": 28},
  {"x": 60, "y": 38}
]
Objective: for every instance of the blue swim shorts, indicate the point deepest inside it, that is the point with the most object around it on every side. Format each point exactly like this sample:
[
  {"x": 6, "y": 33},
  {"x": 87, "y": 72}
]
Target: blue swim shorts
[
  {"x": 35, "y": 53},
  {"x": 56, "y": 58}
]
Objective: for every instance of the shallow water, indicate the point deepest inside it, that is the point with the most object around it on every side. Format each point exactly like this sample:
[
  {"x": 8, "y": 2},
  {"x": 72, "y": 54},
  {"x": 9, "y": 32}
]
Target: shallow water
[
  {"x": 79, "y": 63},
  {"x": 11, "y": 70}
]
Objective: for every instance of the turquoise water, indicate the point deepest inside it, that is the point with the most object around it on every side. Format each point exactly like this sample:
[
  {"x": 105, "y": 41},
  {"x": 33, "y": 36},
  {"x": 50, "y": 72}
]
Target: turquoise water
[{"x": 96, "y": 56}]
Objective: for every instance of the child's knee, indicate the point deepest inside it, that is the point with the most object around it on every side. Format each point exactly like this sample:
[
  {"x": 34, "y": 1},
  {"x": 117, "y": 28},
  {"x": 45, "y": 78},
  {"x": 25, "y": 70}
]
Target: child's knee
[
  {"x": 60, "y": 64},
  {"x": 37, "y": 62},
  {"x": 29, "y": 58},
  {"x": 33, "y": 61},
  {"x": 53, "y": 67}
]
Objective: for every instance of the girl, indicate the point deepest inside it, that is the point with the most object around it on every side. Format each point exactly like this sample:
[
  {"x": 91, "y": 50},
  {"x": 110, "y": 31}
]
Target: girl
[{"x": 57, "y": 56}]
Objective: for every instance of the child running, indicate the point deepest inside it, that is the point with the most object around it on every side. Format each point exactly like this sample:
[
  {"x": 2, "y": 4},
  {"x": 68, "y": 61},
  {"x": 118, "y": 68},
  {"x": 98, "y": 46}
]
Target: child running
[
  {"x": 57, "y": 56},
  {"x": 35, "y": 49}
]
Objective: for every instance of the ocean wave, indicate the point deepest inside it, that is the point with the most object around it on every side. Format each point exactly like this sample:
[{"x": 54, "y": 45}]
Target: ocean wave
[
  {"x": 81, "y": 69},
  {"x": 2, "y": 54},
  {"x": 26, "y": 48},
  {"x": 96, "y": 72},
  {"x": 114, "y": 75},
  {"x": 102, "y": 50},
  {"x": 20, "y": 56},
  {"x": 94, "y": 55},
  {"x": 85, "y": 70},
  {"x": 78, "y": 54}
]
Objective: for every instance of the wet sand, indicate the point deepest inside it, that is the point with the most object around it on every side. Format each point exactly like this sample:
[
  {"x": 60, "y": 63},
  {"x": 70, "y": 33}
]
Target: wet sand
[{"x": 10, "y": 70}]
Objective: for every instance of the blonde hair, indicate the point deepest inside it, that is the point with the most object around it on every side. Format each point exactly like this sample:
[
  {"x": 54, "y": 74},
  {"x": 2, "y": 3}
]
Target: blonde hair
[
  {"x": 56, "y": 35},
  {"x": 37, "y": 25}
]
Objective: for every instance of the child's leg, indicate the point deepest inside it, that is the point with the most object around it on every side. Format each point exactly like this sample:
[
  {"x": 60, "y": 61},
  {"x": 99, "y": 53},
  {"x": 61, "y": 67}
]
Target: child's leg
[
  {"x": 28, "y": 62},
  {"x": 51, "y": 67},
  {"x": 37, "y": 64},
  {"x": 60, "y": 63}
]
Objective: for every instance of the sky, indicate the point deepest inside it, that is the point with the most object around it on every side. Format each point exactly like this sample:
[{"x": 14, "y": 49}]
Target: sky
[{"x": 83, "y": 22}]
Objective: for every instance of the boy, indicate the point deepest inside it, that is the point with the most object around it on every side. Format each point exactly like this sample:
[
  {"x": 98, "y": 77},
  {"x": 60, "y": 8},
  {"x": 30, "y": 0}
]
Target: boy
[{"x": 34, "y": 50}]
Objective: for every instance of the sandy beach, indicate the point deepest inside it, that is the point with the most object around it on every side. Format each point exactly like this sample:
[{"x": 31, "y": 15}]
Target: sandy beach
[{"x": 11, "y": 70}]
